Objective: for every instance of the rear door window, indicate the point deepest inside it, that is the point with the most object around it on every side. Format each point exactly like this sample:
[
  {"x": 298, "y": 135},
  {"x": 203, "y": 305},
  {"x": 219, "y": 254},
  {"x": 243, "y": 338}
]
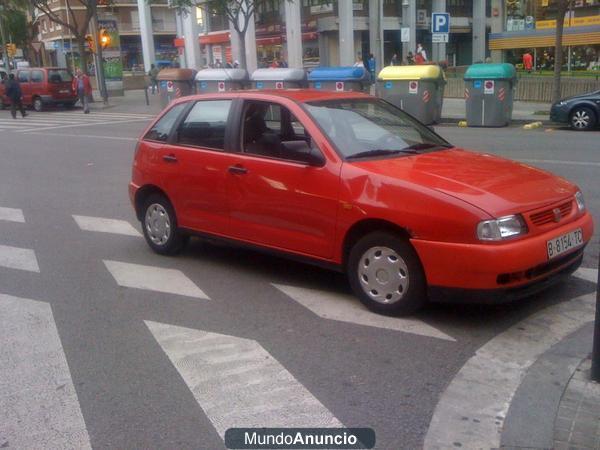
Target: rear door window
[
  {"x": 162, "y": 129},
  {"x": 37, "y": 76},
  {"x": 23, "y": 76},
  {"x": 205, "y": 125},
  {"x": 59, "y": 76}
]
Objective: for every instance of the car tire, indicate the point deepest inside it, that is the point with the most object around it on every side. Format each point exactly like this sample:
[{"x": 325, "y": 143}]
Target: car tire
[
  {"x": 159, "y": 225},
  {"x": 582, "y": 118},
  {"x": 37, "y": 104},
  {"x": 385, "y": 273}
]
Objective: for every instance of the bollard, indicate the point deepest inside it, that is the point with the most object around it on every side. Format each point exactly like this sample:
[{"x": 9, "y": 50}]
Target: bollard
[
  {"x": 595, "y": 374},
  {"x": 146, "y": 95}
]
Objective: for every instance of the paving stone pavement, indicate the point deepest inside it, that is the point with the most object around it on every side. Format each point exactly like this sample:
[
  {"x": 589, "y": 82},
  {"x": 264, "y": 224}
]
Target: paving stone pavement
[{"x": 577, "y": 424}]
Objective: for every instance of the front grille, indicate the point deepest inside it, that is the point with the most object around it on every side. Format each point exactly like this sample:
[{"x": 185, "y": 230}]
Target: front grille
[{"x": 547, "y": 216}]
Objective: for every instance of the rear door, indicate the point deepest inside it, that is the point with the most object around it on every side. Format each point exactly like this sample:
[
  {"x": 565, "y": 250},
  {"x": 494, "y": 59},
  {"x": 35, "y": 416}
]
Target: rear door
[
  {"x": 23, "y": 78},
  {"x": 37, "y": 83},
  {"x": 59, "y": 84}
]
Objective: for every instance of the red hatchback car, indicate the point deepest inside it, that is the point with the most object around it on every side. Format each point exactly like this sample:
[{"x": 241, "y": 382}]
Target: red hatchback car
[{"x": 350, "y": 182}]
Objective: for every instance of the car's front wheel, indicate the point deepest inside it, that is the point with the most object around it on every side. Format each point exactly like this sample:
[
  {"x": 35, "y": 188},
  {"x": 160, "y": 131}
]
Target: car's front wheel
[
  {"x": 582, "y": 118},
  {"x": 386, "y": 274},
  {"x": 159, "y": 224},
  {"x": 38, "y": 105}
]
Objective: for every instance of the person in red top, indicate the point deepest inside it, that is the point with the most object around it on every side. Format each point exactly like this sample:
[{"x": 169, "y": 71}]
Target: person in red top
[
  {"x": 81, "y": 85},
  {"x": 527, "y": 61}
]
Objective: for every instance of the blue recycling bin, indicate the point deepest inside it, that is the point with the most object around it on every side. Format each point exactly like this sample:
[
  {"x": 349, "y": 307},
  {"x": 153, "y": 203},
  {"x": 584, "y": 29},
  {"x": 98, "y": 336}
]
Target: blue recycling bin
[{"x": 339, "y": 78}]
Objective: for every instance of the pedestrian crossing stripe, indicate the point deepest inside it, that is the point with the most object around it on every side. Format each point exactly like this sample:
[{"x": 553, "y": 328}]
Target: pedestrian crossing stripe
[
  {"x": 11, "y": 215},
  {"x": 238, "y": 383},
  {"x": 39, "y": 407},
  {"x": 103, "y": 225},
  {"x": 18, "y": 258}
]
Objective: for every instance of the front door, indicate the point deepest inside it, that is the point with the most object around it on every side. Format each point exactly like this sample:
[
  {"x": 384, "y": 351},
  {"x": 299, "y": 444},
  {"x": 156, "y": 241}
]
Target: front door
[
  {"x": 23, "y": 78},
  {"x": 276, "y": 199}
]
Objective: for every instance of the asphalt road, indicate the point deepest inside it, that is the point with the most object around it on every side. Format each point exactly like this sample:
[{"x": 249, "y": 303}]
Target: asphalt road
[{"x": 126, "y": 362}]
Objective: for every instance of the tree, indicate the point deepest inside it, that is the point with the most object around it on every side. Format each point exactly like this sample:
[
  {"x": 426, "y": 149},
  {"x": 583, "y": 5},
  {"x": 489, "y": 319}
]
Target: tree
[
  {"x": 562, "y": 6},
  {"x": 78, "y": 26}
]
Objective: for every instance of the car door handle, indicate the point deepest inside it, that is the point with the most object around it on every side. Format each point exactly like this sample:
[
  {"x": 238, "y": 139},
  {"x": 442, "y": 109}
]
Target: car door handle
[
  {"x": 237, "y": 170},
  {"x": 170, "y": 158}
]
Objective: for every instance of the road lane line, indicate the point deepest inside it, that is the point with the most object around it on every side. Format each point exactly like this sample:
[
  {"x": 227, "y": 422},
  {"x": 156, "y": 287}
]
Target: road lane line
[
  {"x": 18, "y": 258},
  {"x": 346, "y": 308},
  {"x": 85, "y": 136},
  {"x": 241, "y": 385},
  {"x": 12, "y": 215},
  {"x": 472, "y": 409},
  {"x": 587, "y": 274},
  {"x": 169, "y": 281},
  {"x": 102, "y": 225},
  {"x": 556, "y": 161},
  {"x": 79, "y": 125},
  {"x": 38, "y": 403}
]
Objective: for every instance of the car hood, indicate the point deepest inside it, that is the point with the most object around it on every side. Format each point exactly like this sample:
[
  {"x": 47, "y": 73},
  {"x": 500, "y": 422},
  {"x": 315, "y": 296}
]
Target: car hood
[
  {"x": 588, "y": 95},
  {"x": 495, "y": 185}
]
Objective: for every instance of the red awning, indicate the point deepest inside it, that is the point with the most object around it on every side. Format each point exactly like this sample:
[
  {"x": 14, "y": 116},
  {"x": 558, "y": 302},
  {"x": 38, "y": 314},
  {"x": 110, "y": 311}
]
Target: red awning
[{"x": 221, "y": 37}]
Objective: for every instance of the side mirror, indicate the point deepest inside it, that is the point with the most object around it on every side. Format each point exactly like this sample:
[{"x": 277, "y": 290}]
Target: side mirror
[{"x": 301, "y": 151}]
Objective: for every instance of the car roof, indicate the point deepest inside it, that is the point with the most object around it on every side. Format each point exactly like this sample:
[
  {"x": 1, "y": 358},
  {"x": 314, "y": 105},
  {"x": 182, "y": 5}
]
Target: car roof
[{"x": 296, "y": 95}]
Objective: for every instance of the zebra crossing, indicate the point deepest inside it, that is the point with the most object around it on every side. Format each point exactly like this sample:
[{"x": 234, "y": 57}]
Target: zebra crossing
[{"x": 37, "y": 122}]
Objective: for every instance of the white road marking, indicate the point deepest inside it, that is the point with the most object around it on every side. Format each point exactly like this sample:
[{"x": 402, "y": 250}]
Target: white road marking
[
  {"x": 587, "y": 274},
  {"x": 237, "y": 382},
  {"x": 556, "y": 161},
  {"x": 346, "y": 308},
  {"x": 18, "y": 258},
  {"x": 103, "y": 225},
  {"x": 85, "y": 136},
  {"x": 12, "y": 215},
  {"x": 87, "y": 124},
  {"x": 472, "y": 409},
  {"x": 169, "y": 281},
  {"x": 38, "y": 403}
]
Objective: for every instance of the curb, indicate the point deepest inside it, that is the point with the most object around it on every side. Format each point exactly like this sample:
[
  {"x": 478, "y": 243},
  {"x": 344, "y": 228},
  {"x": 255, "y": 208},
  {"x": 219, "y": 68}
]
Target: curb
[{"x": 517, "y": 122}]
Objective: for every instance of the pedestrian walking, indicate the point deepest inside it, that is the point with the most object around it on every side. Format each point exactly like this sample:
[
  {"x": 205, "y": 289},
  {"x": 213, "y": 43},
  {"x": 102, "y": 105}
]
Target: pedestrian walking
[
  {"x": 410, "y": 59},
  {"x": 153, "y": 74},
  {"x": 359, "y": 62},
  {"x": 14, "y": 93},
  {"x": 371, "y": 64},
  {"x": 394, "y": 61},
  {"x": 83, "y": 87},
  {"x": 527, "y": 61}
]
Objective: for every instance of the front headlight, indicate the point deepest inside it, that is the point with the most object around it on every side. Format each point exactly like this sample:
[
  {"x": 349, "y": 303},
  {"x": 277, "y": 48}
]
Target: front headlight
[
  {"x": 580, "y": 201},
  {"x": 561, "y": 103},
  {"x": 502, "y": 228}
]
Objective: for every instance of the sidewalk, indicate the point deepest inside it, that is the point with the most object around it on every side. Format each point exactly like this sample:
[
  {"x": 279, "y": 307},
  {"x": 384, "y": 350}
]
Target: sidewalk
[
  {"x": 133, "y": 101},
  {"x": 454, "y": 109}
]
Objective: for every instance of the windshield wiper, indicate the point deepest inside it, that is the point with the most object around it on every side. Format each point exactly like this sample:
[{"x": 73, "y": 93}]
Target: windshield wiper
[
  {"x": 382, "y": 152},
  {"x": 425, "y": 146}
]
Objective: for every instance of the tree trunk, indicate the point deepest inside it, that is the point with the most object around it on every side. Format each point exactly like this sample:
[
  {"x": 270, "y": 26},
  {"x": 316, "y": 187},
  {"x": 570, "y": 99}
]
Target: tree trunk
[
  {"x": 82, "y": 53},
  {"x": 561, "y": 8},
  {"x": 242, "y": 38}
]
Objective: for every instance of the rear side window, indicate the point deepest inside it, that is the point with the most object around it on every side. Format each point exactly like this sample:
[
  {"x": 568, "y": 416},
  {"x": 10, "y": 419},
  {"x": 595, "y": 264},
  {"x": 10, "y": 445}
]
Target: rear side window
[
  {"x": 205, "y": 124},
  {"x": 23, "y": 77},
  {"x": 37, "y": 76},
  {"x": 161, "y": 129},
  {"x": 59, "y": 76}
]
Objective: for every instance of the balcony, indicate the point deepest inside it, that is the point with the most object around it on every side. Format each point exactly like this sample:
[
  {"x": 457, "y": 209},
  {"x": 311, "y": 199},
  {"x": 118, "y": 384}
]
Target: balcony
[{"x": 158, "y": 26}]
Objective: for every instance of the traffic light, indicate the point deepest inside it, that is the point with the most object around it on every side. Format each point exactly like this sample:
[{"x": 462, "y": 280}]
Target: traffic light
[
  {"x": 104, "y": 37},
  {"x": 90, "y": 42},
  {"x": 11, "y": 50}
]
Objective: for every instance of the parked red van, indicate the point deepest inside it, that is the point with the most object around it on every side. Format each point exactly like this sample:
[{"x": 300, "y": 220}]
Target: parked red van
[{"x": 44, "y": 86}]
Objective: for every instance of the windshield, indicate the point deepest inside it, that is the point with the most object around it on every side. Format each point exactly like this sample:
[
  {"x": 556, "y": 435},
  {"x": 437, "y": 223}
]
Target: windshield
[
  {"x": 371, "y": 127},
  {"x": 59, "y": 76}
]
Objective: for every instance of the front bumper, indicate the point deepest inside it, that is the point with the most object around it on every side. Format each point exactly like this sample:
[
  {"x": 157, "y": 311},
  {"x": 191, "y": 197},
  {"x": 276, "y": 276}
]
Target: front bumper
[
  {"x": 559, "y": 114},
  {"x": 498, "y": 267}
]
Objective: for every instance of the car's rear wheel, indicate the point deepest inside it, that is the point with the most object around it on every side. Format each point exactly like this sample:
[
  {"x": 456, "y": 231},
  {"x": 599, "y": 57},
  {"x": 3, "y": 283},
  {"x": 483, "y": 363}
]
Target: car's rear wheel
[
  {"x": 38, "y": 105},
  {"x": 582, "y": 118},
  {"x": 386, "y": 275},
  {"x": 159, "y": 224}
]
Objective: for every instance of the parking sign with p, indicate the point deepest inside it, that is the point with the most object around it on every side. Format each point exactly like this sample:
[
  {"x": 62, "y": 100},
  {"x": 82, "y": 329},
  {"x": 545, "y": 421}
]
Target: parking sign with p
[{"x": 440, "y": 23}]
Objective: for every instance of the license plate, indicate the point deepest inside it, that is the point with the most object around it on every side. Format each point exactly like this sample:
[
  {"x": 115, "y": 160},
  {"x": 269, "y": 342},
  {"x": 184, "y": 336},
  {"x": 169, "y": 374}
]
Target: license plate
[
  {"x": 64, "y": 91},
  {"x": 564, "y": 243}
]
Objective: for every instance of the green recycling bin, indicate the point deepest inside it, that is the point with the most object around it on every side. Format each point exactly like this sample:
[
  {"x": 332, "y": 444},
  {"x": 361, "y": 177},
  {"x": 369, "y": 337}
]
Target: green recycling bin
[
  {"x": 489, "y": 94},
  {"x": 220, "y": 80},
  {"x": 278, "y": 78},
  {"x": 175, "y": 83},
  {"x": 418, "y": 90}
]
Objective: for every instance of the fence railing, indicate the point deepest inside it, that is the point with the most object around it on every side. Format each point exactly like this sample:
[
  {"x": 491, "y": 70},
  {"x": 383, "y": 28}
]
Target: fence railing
[{"x": 533, "y": 89}]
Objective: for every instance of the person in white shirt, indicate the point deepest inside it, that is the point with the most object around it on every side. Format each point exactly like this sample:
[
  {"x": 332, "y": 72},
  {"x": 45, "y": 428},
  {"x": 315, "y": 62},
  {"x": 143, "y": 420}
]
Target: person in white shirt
[{"x": 422, "y": 51}]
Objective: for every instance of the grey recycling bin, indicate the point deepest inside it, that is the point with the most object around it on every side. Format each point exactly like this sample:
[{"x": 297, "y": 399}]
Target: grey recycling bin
[
  {"x": 489, "y": 94},
  {"x": 418, "y": 90},
  {"x": 339, "y": 78},
  {"x": 221, "y": 80},
  {"x": 175, "y": 83},
  {"x": 278, "y": 78}
]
